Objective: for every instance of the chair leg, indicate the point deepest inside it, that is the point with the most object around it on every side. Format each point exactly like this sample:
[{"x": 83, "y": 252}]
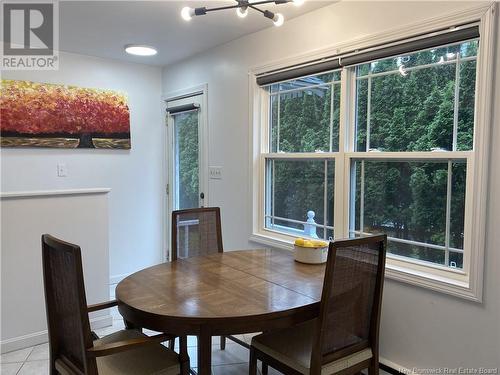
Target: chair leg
[
  {"x": 222, "y": 342},
  {"x": 171, "y": 344},
  {"x": 265, "y": 368},
  {"x": 373, "y": 368},
  {"x": 130, "y": 325},
  {"x": 252, "y": 364},
  {"x": 183, "y": 355}
]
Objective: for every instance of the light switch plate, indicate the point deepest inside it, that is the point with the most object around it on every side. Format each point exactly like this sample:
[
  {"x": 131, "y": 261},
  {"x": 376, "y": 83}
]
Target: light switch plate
[
  {"x": 62, "y": 170},
  {"x": 215, "y": 173}
]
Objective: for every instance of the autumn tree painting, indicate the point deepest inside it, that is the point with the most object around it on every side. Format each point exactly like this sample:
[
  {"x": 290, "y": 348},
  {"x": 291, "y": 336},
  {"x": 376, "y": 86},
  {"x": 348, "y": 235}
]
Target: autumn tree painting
[{"x": 48, "y": 115}]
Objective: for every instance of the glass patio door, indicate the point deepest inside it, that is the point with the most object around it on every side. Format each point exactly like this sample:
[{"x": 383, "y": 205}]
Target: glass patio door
[
  {"x": 187, "y": 159},
  {"x": 186, "y": 185},
  {"x": 186, "y": 181}
]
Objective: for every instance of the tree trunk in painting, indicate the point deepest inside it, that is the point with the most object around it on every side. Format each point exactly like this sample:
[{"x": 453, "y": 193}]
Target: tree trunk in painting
[{"x": 86, "y": 141}]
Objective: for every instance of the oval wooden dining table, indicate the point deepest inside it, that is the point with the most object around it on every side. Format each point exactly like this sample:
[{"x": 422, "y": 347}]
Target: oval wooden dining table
[{"x": 226, "y": 293}]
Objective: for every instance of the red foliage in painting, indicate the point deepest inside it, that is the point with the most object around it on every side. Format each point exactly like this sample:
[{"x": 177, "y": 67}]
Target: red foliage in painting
[{"x": 38, "y": 108}]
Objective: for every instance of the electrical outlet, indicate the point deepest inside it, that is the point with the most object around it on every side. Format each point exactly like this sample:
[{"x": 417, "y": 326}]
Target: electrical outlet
[
  {"x": 215, "y": 173},
  {"x": 62, "y": 170}
]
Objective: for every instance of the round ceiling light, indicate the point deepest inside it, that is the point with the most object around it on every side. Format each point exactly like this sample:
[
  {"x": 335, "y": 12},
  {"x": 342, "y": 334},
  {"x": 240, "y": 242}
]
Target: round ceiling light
[{"x": 140, "y": 50}]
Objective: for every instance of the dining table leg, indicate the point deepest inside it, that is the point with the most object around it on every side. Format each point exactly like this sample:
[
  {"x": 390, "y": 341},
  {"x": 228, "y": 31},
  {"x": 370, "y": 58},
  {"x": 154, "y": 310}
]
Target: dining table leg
[
  {"x": 130, "y": 325},
  {"x": 204, "y": 353}
]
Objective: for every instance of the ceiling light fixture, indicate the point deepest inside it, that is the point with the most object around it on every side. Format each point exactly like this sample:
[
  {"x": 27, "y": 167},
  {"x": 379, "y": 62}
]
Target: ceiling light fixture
[
  {"x": 140, "y": 50},
  {"x": 242, "y": 7}
]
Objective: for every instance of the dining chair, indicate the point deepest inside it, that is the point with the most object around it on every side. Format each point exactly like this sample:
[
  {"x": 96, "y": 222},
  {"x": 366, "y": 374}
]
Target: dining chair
[
  {"x": 195, "y": 232},
  {"x": 344, "y": 338},
  {"x": 73, "y": 349}
]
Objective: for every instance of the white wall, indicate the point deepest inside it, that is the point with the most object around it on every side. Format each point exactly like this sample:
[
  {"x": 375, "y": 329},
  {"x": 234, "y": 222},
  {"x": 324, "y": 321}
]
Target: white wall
[
  {"x": 77, "y": 218},
  {"x": 134, "y": 176},
  {"x": 420, "y": 328}
]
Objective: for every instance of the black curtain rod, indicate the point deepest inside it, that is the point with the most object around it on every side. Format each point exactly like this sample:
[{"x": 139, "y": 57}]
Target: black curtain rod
[{"x": 335, "y": 62}]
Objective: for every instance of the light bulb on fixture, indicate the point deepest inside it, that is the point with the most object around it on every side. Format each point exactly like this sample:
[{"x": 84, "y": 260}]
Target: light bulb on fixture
[
  {"x": 242, "y": 12},
  {"x": 278, "y": 19},
  {"x": 187, "y": 13},
  {"x": 298, "y": 3}
]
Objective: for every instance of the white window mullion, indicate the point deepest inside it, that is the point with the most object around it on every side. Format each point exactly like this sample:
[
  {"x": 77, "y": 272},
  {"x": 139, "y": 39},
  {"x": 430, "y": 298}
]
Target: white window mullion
[
  {"x": 273, "y": 191},
  {"x": 362, "y": 197},
  {"x": 332, "y": 96},
  {"x": 278, "y": 115},
  {"x": 302, "y": 155},
  {"x": 325, "y": 199},
  {"x": 407, "y": 156},
  {"x": 448, "y": 215},
  {"x": 268, "y": 197},
  {"x": 350, "y": 178},
  {"x": 456, "y": 101},
  {"x": 368, "y": 111}
]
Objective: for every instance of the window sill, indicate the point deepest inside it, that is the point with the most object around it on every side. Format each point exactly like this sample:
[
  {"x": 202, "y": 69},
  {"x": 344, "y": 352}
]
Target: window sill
[
  {"x": 452, "y": 282},
  {"x": 271, "y": 239}
]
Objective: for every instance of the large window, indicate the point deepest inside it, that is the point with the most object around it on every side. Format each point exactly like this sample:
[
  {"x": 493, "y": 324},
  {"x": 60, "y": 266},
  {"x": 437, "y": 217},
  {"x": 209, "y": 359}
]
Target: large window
[{"x": 383, "y": 145}]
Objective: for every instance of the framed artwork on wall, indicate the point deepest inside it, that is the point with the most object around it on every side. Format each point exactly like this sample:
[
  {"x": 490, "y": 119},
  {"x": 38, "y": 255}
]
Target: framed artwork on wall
[{"x": 59, "y": 116}]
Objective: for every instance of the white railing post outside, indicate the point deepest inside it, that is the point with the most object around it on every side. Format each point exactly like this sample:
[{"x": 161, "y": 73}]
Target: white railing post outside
[{"x": 310, "y": 227}]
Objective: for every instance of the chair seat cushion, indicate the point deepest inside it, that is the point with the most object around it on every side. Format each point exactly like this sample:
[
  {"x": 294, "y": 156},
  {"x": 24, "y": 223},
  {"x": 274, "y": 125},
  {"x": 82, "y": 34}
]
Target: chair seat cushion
[
  {"x": 154, "y": 359},
  {"x": 293, "y": 346}
]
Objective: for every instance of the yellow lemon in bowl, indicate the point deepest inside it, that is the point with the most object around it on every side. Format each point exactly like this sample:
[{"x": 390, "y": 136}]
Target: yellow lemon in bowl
[
  {"x": 299, "y": 242},
  {"x": 318, "y": 243}
]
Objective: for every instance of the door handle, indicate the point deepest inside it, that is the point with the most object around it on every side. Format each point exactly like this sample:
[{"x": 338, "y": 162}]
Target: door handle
[{"x": 202, "y": 195}]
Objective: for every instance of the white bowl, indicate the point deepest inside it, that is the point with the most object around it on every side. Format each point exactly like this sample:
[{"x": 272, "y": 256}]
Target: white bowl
[{"x": 311, "y": 255}]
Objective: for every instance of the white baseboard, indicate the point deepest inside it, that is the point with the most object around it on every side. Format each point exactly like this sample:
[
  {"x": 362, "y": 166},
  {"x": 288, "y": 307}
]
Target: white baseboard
[
  {"x": 41, "y": 337},
  {"x": 117, "y": 278},
  {"x": 394, "y": 366}
]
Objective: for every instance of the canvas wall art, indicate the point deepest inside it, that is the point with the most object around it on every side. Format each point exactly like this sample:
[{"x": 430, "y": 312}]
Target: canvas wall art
[{"x": 47, "y": 115}]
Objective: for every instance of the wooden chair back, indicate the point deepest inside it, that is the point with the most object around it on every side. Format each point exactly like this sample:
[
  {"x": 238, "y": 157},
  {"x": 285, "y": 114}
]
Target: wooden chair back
[
  {"x": 66, "y": 306},
  {"x": 196, "y": 232},
  {"x": 351, "y": 300}
]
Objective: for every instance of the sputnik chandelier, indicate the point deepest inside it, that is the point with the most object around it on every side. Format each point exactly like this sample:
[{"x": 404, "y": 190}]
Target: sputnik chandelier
[{"x": 242, "y": 7}]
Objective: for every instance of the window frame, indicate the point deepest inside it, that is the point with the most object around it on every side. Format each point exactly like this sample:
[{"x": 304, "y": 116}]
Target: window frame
[{"x": 465, "y": 283}]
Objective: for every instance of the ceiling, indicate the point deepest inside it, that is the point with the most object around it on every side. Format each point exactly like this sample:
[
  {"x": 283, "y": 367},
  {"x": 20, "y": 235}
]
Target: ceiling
[{"x": 102, "y": 28}]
